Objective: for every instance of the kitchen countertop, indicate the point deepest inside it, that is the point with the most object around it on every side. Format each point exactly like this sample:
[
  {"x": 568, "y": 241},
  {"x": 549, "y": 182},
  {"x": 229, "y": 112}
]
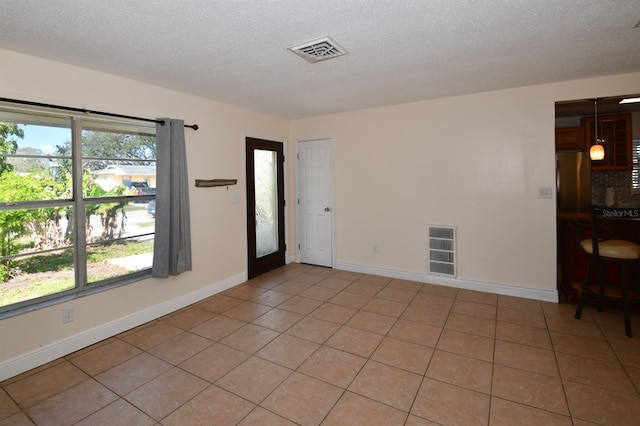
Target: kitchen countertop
[
  {"x": 572, "y": 216},
  {"x": 631, "y": 212}
]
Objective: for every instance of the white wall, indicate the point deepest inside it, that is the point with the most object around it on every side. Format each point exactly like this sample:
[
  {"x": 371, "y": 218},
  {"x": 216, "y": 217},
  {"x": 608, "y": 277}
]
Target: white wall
[
  {"x": 475, "y": 162},
  {"x": 216, "y": 150},
  {"x": 472, "y": 161}
]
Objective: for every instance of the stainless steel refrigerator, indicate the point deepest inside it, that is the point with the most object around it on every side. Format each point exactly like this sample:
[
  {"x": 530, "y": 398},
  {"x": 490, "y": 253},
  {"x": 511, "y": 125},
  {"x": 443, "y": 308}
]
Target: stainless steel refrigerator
[{"x": 573, "y": 181}]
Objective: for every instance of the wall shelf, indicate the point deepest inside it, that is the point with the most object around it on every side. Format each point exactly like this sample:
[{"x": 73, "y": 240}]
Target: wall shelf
[{"x": 207, "y": 183}]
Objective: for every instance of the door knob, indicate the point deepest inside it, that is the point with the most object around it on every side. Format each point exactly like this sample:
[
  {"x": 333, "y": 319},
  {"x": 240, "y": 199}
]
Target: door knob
[{"x": 327, "y": 209}]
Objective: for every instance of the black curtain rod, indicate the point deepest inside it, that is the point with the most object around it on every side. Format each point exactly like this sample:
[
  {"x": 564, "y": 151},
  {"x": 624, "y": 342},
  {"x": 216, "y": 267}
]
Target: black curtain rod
[{"x": 88, "y": 111}]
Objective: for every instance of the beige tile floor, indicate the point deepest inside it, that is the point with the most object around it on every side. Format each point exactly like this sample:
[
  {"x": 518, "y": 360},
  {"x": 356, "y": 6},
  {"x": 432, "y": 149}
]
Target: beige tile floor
[{"x": 308, "y": 346}]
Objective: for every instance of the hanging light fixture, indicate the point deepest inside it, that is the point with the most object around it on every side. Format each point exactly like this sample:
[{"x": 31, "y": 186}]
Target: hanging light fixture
[{"x": 596, "y": 152}]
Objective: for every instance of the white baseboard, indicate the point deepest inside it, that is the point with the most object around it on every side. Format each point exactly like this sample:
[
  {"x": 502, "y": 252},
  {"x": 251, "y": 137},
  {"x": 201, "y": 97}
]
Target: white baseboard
[
  {"x": 507, "y": 290},
  {"x": 55, "y": 350}
]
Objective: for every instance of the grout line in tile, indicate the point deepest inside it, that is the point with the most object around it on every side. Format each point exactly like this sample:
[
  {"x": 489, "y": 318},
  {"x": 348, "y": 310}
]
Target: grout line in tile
[{"x": 293, "y": 272}]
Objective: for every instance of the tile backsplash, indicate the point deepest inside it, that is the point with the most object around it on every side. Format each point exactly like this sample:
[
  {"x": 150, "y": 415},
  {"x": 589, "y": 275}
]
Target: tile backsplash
[{"x": 621, "y": 184}]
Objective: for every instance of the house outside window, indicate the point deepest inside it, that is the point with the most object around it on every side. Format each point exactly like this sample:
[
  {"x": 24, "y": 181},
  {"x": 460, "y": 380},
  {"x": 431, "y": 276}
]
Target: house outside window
[
  {"x": 138, "y": 179},
  {"x": 67, "y": 227}
]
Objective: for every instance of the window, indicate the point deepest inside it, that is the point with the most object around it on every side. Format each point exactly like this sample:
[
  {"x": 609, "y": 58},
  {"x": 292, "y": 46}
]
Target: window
[
  {"x": 635, "y": 174},
  {"x": 74, "y": 196}
]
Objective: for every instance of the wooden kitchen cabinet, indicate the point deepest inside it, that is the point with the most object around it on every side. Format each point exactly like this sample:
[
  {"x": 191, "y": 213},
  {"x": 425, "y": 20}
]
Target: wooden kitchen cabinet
[
  {"x": 570, "y": 138},
  {"x": 615, "y": 130}
]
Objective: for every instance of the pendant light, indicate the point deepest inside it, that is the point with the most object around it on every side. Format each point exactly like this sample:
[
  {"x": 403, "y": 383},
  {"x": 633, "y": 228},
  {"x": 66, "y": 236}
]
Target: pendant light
[{"x": 597, "y": 150}]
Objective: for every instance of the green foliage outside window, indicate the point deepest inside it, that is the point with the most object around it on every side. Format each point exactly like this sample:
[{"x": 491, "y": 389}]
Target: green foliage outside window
[
  {"x": 44, "y": 223},
  {"x": 56, "y": 238},
  {"x": 8, "y": 143}
]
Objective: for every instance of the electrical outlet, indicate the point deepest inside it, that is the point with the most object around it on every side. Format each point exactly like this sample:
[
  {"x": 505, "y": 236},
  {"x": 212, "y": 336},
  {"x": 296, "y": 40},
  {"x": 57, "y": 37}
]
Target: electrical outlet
[
  {"x": 374, "y": 248},
  {"x": 67, "y": 315}
]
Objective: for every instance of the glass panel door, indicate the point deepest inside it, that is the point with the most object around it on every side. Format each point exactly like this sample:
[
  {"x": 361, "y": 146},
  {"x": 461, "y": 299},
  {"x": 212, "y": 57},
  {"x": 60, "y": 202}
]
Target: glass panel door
[
  {"x": 266, "y": 198},
  {"x": 265, "y": 206}
]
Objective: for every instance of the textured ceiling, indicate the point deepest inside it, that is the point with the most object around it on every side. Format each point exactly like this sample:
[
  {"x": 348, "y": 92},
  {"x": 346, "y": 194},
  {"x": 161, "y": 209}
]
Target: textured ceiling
[{"x": 399, "y": 50}]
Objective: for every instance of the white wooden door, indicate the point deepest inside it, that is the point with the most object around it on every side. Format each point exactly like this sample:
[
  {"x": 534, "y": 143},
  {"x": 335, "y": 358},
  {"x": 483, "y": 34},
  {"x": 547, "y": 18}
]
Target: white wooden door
[{"x": 315, "y": 202}]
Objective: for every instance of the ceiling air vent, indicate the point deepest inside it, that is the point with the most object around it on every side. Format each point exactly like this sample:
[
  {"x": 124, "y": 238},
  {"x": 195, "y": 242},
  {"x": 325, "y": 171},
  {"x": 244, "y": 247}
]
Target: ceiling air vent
[{"x": 320, "y": 49}]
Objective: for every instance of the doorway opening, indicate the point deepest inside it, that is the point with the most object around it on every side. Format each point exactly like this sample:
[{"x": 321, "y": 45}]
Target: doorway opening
[{"x": 581, "y": 182}]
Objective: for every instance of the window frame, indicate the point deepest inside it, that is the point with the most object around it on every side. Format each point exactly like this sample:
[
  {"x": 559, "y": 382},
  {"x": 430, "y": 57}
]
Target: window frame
[{"x": 78, "y": 202}]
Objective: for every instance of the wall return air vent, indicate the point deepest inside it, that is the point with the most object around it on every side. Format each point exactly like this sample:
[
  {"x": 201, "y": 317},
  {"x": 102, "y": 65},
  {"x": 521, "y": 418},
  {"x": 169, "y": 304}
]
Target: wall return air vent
[
  {"x": 320, "y": 49},
  {"x": 441, "y": 249}
]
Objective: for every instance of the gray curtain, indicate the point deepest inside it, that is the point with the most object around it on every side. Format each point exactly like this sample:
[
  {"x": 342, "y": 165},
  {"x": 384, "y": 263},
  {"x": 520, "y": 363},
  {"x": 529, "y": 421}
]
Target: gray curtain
[{"x": 172, "y": 251}]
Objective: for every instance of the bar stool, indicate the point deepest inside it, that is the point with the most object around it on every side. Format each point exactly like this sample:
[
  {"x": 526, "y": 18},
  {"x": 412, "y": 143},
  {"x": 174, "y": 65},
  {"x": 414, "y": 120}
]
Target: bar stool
[{"x": 606, "y": 245}]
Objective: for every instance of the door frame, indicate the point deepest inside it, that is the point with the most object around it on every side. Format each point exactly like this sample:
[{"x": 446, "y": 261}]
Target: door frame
[
  {"x": 332, "y": 196},
  {"x": 282, "y": 220}
]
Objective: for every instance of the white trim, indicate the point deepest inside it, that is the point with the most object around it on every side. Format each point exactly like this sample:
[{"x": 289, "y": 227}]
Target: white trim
[
  {"x": 504, "y": 289},
  {"x": 55, "y": 350}
]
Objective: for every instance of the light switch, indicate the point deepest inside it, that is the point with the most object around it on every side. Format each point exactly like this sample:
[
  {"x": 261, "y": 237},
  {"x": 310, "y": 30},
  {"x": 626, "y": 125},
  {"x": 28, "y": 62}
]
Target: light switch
[
  {"x": 235, "y": 198},
  {"x": 544, "y": 192}
]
